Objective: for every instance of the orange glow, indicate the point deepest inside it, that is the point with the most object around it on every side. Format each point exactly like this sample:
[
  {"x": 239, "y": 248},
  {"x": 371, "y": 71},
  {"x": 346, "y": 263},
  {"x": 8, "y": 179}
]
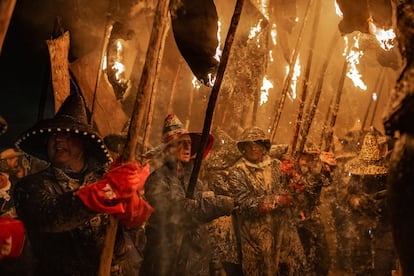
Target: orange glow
[
  {"x": 386, "y": 38},
  {"x": 354, "y": 53}
]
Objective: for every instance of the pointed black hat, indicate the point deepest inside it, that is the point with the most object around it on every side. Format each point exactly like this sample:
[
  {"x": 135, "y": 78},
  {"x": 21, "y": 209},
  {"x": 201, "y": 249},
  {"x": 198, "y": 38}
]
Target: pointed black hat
[{"x": 71, "y": 117}]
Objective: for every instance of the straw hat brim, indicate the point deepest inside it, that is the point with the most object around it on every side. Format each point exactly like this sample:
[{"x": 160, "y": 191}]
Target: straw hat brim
[
  {"x": 361, "y": 167},
  {"x": 34, "y": 141}
]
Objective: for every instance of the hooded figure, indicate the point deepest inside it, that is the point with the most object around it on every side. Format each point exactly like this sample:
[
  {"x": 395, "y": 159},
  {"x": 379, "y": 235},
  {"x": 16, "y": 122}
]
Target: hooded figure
[
  {"x": 176, "y": 232},
  {"x": 373, "y": 252},
  {"x": 265, "y": 189},
  {"x": 66, "y": 207}
]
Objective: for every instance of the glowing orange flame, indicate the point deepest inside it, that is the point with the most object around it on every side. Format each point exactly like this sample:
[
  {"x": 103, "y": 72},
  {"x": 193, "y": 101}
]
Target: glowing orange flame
[
  {"x": 196, "y": 83},
  {"x": 218, "y": 50},
  {"x": 264, "y": 95},
  {"x": 353, "y": 60},
  {"x": 273, "y": 34},
  {"x": 386, "y": 38},
  {"x": 338, "y": 10}
]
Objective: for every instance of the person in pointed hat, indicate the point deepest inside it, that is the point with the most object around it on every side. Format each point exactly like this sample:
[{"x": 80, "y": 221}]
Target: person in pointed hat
[
  {"x": 176, "y": 231},
  {"x": 373, "y": 252},
  {"x": 65, "y": 207}
]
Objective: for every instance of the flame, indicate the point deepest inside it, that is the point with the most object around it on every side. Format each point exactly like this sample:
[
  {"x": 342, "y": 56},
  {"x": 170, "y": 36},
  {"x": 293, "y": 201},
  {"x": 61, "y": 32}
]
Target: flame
[
  {"x": 263, "y": 8},
  {"x": 386, "y": 38},
  {"x": 374, "y": 96},
  {"x": 273, "y": 34},
  {"x": 255, "y": 30},
  {"x": 295, "y": 77},
  {"x": 264, "y": 95},
  {"x": 118, "y": 66},
  {"x": 218, "y": 50},
  {"x": 338, "y": 10},
  {"x": 196, "y": 83},
  {"x": 353, "y": 60}
]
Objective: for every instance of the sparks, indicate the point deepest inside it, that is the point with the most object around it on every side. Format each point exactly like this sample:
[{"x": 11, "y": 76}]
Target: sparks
[
  {"x": 196, "y": 83},
  {"x": 273, "y": 34},
  {"x": 374, "y": 96},
  {"x": 338, "y": 10}
]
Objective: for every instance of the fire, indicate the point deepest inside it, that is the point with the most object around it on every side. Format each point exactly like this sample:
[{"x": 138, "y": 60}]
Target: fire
[
  {"x": 264, "y": 95},
  {"x": 218, "y": 50},
  {"x": 295, "y": 77},
  {"x": 386, "y": 38},
  {"x": 196, "y": 83},
  {"x": 338, "y": 10},
  {"x": 353, "y": 60},
  {"x": 273, "y": 34},
  {"x": 255, "y": 30}
]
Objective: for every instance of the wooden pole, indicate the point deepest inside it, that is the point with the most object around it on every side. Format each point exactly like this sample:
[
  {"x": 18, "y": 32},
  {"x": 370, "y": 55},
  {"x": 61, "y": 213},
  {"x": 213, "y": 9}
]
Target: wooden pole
[
  {"x": 154, "y": 90},
  {"x": 364, "y": 121},
  {"x": 317, "y": 94},
  {"x": 213, "y": 97},
  {"x": 299, "y": 116},
  {"x": 6, "y": 13},
  {"x": 286, "y": 83},
  {"x": 174, "y": 88},
  {"x": 335, "y": 107},
  {"x": 107, "y": 34},
  {"x": 379, "y": 89},
  {"x": 144, "y": 88}
]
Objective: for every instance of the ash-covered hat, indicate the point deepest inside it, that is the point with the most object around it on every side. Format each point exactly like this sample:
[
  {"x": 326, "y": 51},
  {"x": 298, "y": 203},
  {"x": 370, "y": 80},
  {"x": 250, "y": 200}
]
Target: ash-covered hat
[
  {"x": 174, "y": 129},
  {"x": 254, "y": 134},
  {"x": 70, "y": 118},
  {"x": 369, "y": 160},
  {"x": 311, "y": 149}
]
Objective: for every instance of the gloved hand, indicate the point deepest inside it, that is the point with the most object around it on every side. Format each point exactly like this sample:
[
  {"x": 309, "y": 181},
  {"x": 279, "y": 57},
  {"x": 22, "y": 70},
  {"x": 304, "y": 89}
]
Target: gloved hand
[
  {"x": 270, "y": 203},
  {"x": 111, "y": 194},
  {"x": 12, "y": 237}
]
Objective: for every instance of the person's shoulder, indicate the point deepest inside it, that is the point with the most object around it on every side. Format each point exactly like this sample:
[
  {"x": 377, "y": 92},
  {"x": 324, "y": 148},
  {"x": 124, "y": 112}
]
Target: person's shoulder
[{"x": 35, "y": 177}]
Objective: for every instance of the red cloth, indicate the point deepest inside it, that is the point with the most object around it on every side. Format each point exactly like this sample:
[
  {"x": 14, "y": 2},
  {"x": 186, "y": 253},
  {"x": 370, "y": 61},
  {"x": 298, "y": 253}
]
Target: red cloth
[
  {"x": 11, "y": 237},
  {"x": 119, "y": 193}
]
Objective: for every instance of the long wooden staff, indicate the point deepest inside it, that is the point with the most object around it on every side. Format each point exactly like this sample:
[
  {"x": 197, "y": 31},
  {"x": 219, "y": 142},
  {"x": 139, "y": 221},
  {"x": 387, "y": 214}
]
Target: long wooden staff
[
  {"x": 213, "y": 97},
  {"x": 377, "y": 84},
  {"x": 317, "y": 94},
  {"x": 286, "y": 84},
  {"x": 144, "y": 89},
  {"x": 379, "y": 89},
  {"x": 299, "y": 116},
  {"x": 335, "y": 107}
]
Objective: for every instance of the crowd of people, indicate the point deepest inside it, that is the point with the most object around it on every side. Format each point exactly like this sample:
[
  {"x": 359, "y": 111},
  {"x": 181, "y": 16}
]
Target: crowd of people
[{"x": 63, "y": 187}]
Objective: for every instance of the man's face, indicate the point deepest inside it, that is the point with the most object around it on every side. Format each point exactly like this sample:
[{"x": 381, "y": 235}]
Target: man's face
[
  {"x": 66, "y": 151},
  {"x": 183, "y": 148},
  {"x": 253, "y": 152}
]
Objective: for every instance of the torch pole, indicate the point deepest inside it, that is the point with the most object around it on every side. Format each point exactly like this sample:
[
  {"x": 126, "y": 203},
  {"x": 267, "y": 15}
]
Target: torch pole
[
  {"x": 213, "y": 97},
  {"x": 286, "y": 83},
  {"x": 299, "y": 116},
  {"x": 144, "y": 89}
]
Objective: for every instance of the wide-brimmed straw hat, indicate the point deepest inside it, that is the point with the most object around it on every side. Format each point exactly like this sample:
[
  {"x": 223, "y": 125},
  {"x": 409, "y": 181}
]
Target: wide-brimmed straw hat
[
  {"x": 172, "y": 130},
  {"x": 253, "y": 134},
  {"x": 70, "y": 118},
  {"x": 369, "y": 160}
]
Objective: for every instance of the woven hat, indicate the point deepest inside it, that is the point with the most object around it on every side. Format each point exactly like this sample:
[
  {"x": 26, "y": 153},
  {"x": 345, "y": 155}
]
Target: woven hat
[
  {"x": 70, "y": 118},
  {"x": 174, "y": 129},
  {"x": 369, "y": 160},
  {"x": 10, "y": 153},
  {"x": 254, "y": 134}
]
